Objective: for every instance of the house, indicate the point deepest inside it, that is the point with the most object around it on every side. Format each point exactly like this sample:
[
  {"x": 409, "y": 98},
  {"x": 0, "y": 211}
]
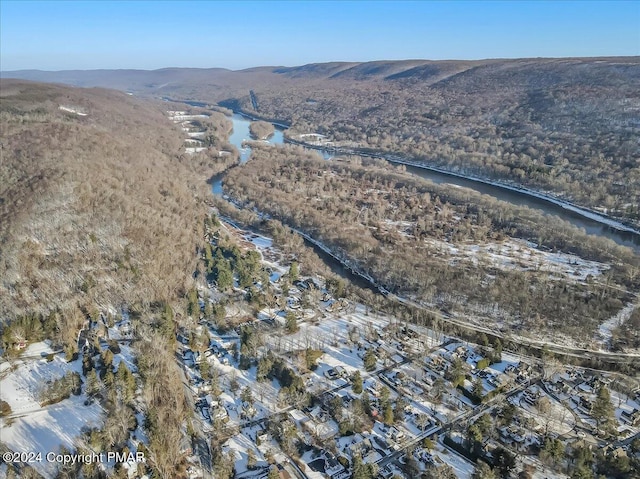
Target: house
[
  {"x": 373, "y": 392},
  {"x": 614, "y": 452},
  {"x": 530, "y": 397},
  {"x": 631, "y": 417},
  {"x": 512, "y": 434},
  {"x": 331, "y": 465},
  {"x": 395, "y": 434},
  {"x": 342, "y": 372},
  {"x": 331, "y": 374}
]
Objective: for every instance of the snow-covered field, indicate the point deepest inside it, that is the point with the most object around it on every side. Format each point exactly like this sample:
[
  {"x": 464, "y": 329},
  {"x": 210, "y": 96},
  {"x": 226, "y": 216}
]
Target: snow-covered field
[
  {"x": 605, "y": 330},
  {"x": 462, "y": 468},
  {"x": 32, "y": 428},
  {"x": 523, "y": 255},
  {"x": 51, "y": 428}
]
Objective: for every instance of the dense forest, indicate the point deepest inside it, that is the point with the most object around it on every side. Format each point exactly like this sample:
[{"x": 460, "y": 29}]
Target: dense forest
[
  {"x": 564, "y": 126},
  {"x": 95, "y": 206},
  {"x": 100, "y": 212},
  {"x": 567, "y": 127},
  {"x": 415, "y": 238}
]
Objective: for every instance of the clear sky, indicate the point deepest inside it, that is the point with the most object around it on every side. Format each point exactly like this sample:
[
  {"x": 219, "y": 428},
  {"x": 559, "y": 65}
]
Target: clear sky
[{"x": 52, "y": 35}]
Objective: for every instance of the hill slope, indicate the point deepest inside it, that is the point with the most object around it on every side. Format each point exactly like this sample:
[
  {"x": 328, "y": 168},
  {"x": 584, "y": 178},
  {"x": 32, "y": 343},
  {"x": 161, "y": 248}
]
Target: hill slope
[
  {"x": 564, "y": 126},
  {"x": 95, "y": 207}
]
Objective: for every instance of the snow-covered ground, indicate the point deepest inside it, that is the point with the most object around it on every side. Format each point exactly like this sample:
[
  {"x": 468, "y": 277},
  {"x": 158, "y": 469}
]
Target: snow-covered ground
[
  {"x": 51, "y": 428},
  {"x": 32, "y": 428},
  {"x": 523, "y": 255},
  {"x": 21, "y": 387},
  {"x": 557, "y": 419},
  {"x": 461, "y": 467},
  {"x": 605, "y": 330},
  {"x": 195, "y": 149},
  {"x": 72, "y": 110},
  {"x": 344, "y": 331},
  {"x": 181, "y": 116}
]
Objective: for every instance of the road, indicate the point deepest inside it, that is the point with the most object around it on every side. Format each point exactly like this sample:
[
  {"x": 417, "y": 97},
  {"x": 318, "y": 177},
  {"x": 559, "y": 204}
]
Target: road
[{"x": 461, "y": 418}]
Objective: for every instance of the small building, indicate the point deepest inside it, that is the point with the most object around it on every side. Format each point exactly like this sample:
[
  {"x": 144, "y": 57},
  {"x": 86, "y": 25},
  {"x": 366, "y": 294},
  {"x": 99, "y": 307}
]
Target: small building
[{"x": 631, "y": 417}]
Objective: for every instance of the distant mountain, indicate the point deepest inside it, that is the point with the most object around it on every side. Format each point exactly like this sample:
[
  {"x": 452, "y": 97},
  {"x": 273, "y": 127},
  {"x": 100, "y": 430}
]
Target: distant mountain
[
  {"x": 566, "y": 126},
  {"x": 536, "y": 72}
]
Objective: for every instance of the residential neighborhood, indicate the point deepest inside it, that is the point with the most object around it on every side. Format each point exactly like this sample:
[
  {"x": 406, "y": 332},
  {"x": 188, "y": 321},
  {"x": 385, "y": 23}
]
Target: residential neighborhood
[{"x": 341, "y": 387}]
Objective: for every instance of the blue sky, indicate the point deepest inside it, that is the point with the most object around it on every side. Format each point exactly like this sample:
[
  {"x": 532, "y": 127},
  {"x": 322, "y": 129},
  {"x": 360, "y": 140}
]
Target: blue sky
[{"x": 52, "y": 35}]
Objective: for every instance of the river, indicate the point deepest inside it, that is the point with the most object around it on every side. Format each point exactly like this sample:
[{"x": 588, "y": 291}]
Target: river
[{"x": 590, "y": 226}]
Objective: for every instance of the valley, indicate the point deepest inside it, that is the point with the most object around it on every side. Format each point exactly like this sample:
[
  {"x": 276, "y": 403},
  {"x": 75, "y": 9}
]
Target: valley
[{"x": 332, "y": 314}]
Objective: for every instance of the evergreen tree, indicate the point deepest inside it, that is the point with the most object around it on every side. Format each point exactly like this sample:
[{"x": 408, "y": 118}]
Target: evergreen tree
[
  {"x": 93, "y": 384},
  {"x": 193, "y": 307},
  {"x": 362, "y": 470},
  {"x": 87, "y": 364},
  {"x": 107, "y": 359},
  {"x": 293, "y": 271},
  {"x": 478, "y": 390},
  {"x": 208, "y": 258},
  {"x": 387, "y": 415},
  {"x": 398, "y": 410},
  {"x": 205, "y": 370},
  {"x": 356, "y": 382},
  {"x": 208, "y": 310},
  {"x": 504, "y": 461},
  {"x": 497, "y": 351},
  {"x": 384, "y": 396},
  {"x": 370, "y": 360},
  {"x": 246, "y": 395},
  {"x": 602, "y": 409},
  {"x": 291, "y": 323},
  {"x": 366, "y": 403},
  {"x": 166, "y": 326},
  {"x": 215, "y": 383},
  {"x": 126, "y": 382},
  {"x": 223, "y": 275},
  {"x": 109, "y": 379}
]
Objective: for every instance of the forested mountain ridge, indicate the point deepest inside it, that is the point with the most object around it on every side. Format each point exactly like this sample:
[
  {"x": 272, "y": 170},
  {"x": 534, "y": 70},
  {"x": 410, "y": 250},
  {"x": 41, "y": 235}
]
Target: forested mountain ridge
[
  {"x": 564, "y": 126},
  {"x": 96, "y": 209},
  {"x": 101, "y": 221}
]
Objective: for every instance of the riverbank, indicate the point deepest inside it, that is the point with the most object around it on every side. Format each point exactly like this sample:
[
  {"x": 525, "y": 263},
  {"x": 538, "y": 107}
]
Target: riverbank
[
  {"x": 623, "y": 233},
  {"x": 587, "y": 213}
]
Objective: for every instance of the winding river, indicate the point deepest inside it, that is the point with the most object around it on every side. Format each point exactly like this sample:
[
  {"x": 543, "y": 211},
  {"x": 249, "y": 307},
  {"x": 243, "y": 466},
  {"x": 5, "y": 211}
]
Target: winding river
[
  {"x": 591, "y": 226},
  {"x": 241, "y": 133}
]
